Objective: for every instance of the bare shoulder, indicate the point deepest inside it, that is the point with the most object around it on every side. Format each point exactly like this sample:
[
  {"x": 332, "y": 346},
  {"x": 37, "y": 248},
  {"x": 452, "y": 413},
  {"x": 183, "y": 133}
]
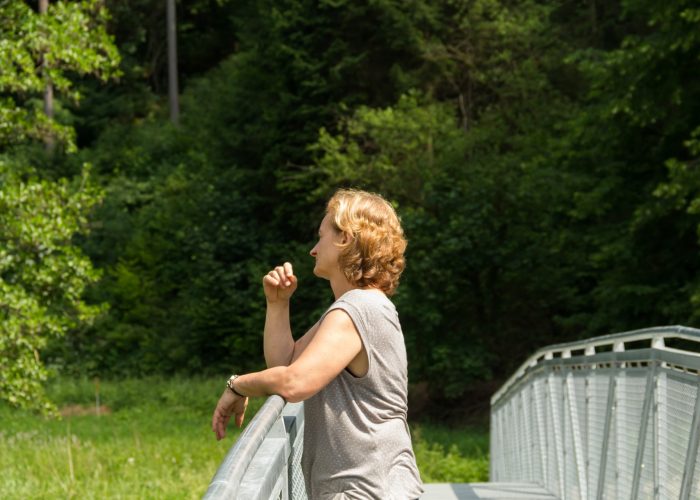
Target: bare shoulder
[{"x": 338, "y": 319}]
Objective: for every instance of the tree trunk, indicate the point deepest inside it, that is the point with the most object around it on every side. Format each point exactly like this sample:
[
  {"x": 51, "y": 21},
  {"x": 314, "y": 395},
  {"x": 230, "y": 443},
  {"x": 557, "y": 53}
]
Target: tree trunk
[
  {"x": 48, "y": 90},
  {"x": 593, "y": 14},
  {"x": 172, "y": 64}
]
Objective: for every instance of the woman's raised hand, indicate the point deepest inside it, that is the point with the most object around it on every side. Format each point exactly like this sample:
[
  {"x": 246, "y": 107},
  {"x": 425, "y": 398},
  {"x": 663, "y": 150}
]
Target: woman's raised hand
[{"x": 280, "y": 283}]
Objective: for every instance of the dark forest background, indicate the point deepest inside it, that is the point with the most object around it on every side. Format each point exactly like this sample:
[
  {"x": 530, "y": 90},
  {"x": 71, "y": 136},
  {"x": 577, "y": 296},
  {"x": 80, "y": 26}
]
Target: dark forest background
[{"x": 543, "y": 156}]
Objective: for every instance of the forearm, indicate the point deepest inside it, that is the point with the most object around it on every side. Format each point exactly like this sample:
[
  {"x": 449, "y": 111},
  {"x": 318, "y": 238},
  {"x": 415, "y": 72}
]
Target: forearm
[
  {"x": 278, "y": 342},
  {"x": 278, "y": 380}
]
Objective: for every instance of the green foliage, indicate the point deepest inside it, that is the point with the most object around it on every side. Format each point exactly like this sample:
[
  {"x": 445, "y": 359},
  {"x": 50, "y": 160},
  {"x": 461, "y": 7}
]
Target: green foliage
[
  {"x": 642, "y": 108},
  {"x": 39, "y": 50},
  {"x": 42, "y": 276},
  {"x": 193, "y": 217},
  {"x": 393, "y": 150},
  {"x": 438, "y": 465},
  {"x": 543, "y": 157},
  {"x": 451, "y": 455}
]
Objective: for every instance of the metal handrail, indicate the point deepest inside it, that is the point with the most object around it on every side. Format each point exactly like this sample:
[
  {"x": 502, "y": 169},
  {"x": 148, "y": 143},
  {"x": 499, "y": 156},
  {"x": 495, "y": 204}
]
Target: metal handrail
[
  {"x": 657, "y": 335},
  {"x": 229, "y": 475},
  {"x": 265, "y": 461}
]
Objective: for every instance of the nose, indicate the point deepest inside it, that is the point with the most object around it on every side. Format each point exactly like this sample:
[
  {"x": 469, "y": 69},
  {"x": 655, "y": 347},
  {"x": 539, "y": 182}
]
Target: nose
[{"x": 313, "y": 252}]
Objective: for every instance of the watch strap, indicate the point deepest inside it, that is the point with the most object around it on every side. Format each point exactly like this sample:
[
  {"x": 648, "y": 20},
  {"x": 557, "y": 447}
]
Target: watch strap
[{"x": 229, "y": 384}]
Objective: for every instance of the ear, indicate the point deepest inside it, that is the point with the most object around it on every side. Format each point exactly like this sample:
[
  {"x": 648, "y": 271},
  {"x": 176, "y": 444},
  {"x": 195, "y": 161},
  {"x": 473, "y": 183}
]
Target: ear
[{"x": 347, "y": 238}]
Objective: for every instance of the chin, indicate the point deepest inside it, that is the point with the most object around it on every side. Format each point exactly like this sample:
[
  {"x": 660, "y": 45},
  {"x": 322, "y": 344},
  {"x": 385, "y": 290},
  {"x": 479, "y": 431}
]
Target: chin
[{"x": 320, "y": 274}]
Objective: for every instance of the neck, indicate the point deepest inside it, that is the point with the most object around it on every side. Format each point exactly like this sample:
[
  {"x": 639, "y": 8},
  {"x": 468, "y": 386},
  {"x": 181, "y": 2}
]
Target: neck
[{"x": 340, "y": 286}]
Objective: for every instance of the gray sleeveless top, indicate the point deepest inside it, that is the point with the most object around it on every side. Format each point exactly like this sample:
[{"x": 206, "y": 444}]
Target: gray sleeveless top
[{"x": 356, "y": 440}]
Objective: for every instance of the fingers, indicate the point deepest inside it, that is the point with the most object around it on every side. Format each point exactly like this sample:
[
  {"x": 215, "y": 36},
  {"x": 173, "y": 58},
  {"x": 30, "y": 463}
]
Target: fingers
[
  {"x": 221, "y": 418},
  {"x": 216, "y": 417},
  {"x": 221, "y": 434},
  {"x": 282, "y": 276},
  {"x": 222, "y": 414},
  {"x": 271, "y": 279},
  {"x": 218, "y": 424},
  {"x": 240, "y": 416}
]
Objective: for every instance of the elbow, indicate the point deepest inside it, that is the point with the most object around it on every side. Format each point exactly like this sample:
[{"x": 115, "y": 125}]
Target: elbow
[
  {"x": 294, "y": 387},
  {"x": 294, "y": 398},
  {"x": 273, "y": 362}
]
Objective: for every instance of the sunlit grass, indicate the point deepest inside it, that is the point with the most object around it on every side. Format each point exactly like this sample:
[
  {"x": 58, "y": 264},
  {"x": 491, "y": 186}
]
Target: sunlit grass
[
  {"x": 156, "y": 442},
  {"x": 457, "y": 455}
]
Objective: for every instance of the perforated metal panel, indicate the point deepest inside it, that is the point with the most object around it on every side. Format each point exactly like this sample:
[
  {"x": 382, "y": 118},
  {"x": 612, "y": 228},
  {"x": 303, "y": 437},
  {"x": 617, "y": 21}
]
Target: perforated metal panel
[
  {"x": 695, "y": 489},
  {"x": 614, "y": 424},
  {"x": 647, "y": 467},
  {"x": 598, "y": 391},
  {"x": 297, "y": 489},
  {"x": 630, "y": 401},
  {"x": 676, "y": 417}
]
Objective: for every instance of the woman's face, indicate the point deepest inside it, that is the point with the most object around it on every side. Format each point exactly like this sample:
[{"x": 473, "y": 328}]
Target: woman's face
[{"x": 327, "y": 250}]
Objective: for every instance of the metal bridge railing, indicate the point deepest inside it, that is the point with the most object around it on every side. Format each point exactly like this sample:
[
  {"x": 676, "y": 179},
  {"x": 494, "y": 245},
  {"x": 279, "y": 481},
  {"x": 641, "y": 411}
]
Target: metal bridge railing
[
  {"x": 265, "y": 462},
  {"x": 612, "y": 417}
]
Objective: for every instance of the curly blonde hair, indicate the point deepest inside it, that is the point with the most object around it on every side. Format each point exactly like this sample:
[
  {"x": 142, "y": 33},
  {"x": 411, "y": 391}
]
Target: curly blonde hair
[{"x": 374, "y": 254}]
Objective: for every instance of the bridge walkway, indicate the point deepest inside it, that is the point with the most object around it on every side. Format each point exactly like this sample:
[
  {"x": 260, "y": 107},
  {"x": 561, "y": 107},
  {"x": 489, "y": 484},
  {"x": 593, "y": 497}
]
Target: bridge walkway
[{"x": 483, "y": 491}]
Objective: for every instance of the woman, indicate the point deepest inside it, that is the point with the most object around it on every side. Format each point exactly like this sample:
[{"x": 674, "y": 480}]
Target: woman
[{"x": 350, "y": 367}]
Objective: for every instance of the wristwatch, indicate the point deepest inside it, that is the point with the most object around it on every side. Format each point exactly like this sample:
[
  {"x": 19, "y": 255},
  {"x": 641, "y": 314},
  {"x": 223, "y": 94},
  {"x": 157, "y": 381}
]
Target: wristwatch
[{"x": 229, "y": 384}]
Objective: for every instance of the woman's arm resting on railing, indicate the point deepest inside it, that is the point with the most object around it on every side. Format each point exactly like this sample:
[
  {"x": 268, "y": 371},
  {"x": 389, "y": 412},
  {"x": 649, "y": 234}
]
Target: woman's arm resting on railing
[{"x": 334, "y": 346}]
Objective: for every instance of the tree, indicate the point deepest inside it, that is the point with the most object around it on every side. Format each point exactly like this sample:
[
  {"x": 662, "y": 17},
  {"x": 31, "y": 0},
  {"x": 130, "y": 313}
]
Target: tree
[
  {"x": 633, "y": 153},
  {"x": 38, "y": 53},
  {"x": 42, "y": 275},
  {"x": 42, "y": 272},
  {"x": 48, "y": 92},
  {"x": 173, "y": 97},
  {"x": 197, "y": 211}
]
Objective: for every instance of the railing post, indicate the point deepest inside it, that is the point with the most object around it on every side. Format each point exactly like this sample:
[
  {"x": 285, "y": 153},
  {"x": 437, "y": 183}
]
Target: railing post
[
  {"x": 527, "y": 432},
  {"x": 641, "y": 441},
  {"x": 541, "y": 408},
  {"x": 692, "y": 454},
  {"x": 606, "y": 436},
  {"x": 620, "y": 423},
  {"x": 588, "y": 351},
  {"x": 657, "y": 342},
  {"x": 554, "y": 403},
  {"x": 662, "y": 430},
  {"x": 576, "y": 434}
]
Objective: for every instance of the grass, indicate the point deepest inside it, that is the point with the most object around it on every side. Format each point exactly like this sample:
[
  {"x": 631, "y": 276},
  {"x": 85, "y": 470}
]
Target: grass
[
  {"x": 451, "y": 455},
  {"x": 156, "y": 442}
]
